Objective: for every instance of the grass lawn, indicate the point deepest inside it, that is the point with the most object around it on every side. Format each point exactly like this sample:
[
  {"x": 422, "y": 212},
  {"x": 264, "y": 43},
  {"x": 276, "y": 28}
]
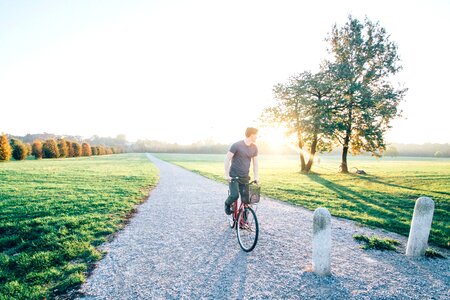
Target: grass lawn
[
  {"x": 384, "y": 198},
  {"x": 53, "y": 213}
]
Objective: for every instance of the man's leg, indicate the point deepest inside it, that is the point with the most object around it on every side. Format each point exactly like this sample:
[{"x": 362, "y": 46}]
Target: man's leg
[
  {"x": 234, "y": 195},
  {"x": 243, "y": 191}
]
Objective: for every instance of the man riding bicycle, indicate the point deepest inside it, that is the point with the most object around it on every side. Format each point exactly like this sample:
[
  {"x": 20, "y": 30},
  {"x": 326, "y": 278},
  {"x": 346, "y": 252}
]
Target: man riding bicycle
[{"x": 240, "y": 155}]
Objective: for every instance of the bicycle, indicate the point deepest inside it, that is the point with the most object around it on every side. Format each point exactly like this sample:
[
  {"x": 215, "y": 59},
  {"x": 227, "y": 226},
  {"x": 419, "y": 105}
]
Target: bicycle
[{"x": 243, "y": 219}]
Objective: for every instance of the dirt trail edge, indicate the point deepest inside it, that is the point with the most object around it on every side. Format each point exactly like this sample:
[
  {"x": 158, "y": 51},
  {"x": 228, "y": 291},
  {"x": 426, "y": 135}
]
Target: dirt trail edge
[{"x": 178, "y": 246}]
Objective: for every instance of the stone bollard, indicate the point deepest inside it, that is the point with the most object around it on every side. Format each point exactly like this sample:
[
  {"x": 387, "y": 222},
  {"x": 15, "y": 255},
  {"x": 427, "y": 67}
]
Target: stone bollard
[
  {"x": 420, "y": 227},
  {"x": 321, "y": 242}
]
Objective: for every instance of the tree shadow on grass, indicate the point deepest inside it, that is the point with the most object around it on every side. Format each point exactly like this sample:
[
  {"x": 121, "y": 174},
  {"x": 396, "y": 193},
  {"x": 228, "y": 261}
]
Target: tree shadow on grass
[
  {"x": 391, "y": 211},
  {"x": 376, "y": 179},
  {"x": 383, "y": 215}
]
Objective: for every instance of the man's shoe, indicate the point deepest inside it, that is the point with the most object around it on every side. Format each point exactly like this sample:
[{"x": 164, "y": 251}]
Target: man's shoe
[{"x": 227, "y": 209}]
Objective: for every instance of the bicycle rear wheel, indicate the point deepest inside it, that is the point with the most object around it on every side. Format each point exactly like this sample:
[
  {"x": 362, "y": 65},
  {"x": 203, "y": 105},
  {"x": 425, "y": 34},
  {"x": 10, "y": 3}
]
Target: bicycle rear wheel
[{"x": 247, "y": 229}]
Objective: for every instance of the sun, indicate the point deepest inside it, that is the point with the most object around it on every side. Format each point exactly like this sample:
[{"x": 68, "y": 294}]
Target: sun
[{"x": 274, "y": 137}]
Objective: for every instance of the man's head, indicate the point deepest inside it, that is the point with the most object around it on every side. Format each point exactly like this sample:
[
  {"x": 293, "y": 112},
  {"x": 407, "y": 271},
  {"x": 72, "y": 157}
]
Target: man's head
[{"x": 251, "y": 133}]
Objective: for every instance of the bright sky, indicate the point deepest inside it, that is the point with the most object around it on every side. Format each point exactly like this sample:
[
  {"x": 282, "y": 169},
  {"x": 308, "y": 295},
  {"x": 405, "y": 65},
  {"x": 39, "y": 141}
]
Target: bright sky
[{"x": 183, "y": 71}]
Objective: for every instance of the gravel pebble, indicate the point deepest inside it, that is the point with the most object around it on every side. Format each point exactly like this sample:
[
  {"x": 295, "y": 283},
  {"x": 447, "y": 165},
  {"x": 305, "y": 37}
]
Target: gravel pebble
[{"x": 179, "y": 246}]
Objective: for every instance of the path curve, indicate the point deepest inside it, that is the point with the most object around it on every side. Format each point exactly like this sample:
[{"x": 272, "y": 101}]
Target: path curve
[{"x": 178, "y": 246}]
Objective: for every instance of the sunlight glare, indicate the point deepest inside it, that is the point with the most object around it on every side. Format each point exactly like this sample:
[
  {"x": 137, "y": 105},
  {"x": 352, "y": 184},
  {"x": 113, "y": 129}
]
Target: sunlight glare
[{"x": 274, "y": 137}]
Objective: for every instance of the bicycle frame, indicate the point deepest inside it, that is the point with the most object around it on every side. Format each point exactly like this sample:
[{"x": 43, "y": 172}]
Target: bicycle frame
[
  {"x": 235, "y": 206},
  {"x": 236, "y": 210}
]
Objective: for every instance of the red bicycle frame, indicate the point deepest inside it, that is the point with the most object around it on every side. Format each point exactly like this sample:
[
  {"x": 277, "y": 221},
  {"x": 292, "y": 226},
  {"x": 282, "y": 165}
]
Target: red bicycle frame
[{"x": 236, "y": 210}]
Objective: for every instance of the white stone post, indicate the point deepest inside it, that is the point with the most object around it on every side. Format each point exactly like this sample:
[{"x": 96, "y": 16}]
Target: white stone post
[
  {"x": 321, "y": 242},
  {"x": 420, "y": 227}
]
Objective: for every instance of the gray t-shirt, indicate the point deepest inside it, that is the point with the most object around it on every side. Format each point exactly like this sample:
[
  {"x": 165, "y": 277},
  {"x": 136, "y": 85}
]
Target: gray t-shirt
[{"x": 240, "y": 163}]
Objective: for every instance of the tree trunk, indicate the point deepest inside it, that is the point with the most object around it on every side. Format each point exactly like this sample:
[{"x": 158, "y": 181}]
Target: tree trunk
[
  {"x": 311, "y": 155},
  {"x": 344, "y": 166},
  {"x": 302, "y": 162},
  {"x": 348, "y": 132},
  {"x": 302, "y": 156}
]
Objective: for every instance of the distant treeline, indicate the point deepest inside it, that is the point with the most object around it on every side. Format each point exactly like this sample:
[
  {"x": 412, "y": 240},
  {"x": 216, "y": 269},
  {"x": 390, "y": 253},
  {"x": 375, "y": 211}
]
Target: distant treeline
[
  {"x": 119, "y": 140},
  {"x": 211, "y": 147},
  {"x": 52, "y": 146},
  {"x": 426, "y": 150},
  {"x": 205, "y": 147},
  {"x": 119, "y": 144}
]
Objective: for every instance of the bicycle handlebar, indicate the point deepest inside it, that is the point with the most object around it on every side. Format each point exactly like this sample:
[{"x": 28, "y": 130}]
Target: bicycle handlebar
[{"x": 237, "y": 178}]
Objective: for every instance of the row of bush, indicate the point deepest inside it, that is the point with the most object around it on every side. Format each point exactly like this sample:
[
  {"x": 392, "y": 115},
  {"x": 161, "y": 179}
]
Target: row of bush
[{"x": 50, "y": 148}]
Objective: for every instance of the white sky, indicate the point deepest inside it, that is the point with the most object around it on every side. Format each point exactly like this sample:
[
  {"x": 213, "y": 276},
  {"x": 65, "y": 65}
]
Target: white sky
[{"x": 182, "y": 71}]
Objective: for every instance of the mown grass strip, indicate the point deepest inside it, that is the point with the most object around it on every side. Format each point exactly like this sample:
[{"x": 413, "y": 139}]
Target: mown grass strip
[{"x": 54, "y": 213}]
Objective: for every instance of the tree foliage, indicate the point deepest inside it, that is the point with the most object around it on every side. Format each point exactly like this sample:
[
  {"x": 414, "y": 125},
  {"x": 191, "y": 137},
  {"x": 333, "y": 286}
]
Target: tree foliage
[
  {"x": 86, "y": 149},
  {"x": 101, "y": 150},
  {"x": 5, "y": 148},
  {"x": 364, "y": 60},
  {"x": 76, "y": 149},
  {"x": 29, "y": 148},
  {"x": 62, "y": 147},
  {"x": 19, "y": 149},
  {"x": 303, "y": 106},
  {"x": 94, "y": 150},
  {"x": 349, "y": 102},
  {"x": 70, "y": 152},
  {"x": 37, "y": 149},
  {"x": 50, "y": 149}
]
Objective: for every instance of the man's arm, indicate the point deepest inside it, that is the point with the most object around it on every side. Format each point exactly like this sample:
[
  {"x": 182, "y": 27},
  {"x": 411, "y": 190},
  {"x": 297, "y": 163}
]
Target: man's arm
[
  {"x": 226, "y": 165},
  {"x": 255, "y": 168}
]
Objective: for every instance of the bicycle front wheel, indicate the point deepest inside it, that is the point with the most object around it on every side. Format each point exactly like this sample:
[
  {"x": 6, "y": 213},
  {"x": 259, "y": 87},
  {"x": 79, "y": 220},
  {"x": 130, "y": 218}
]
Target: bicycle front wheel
[{"x": 247, "y": 229}]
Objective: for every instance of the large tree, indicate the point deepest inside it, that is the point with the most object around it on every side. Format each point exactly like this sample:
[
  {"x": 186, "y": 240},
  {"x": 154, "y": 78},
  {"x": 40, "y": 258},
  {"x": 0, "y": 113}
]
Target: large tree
[
  {"x": 37, "y": 149},
  {"x": 62, "y": 148},
  {"x": 70, "y": 152},
  {"x": 317, "y": 89},
  {"x": 19, "y": 149},
  {"x": 5, "y": 148},
  {"x": 364, "y": 61},
  {"x": 303, "y": 106},
  {"x": 77, "y": 151},
  {"x": 50, "y": 149},
  {"x": 86, "y": 149}
]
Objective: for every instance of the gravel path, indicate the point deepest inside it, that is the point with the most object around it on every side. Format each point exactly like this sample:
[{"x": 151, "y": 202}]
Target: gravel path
[{"x": 178, "y": 246}]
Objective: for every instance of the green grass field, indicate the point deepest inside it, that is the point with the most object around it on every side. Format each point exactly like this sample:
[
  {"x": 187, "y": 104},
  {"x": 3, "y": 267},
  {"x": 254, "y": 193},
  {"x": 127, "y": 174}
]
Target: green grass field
[
  {"x": 53, "y": 213},
  {"x": 384, "y": 198}
]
